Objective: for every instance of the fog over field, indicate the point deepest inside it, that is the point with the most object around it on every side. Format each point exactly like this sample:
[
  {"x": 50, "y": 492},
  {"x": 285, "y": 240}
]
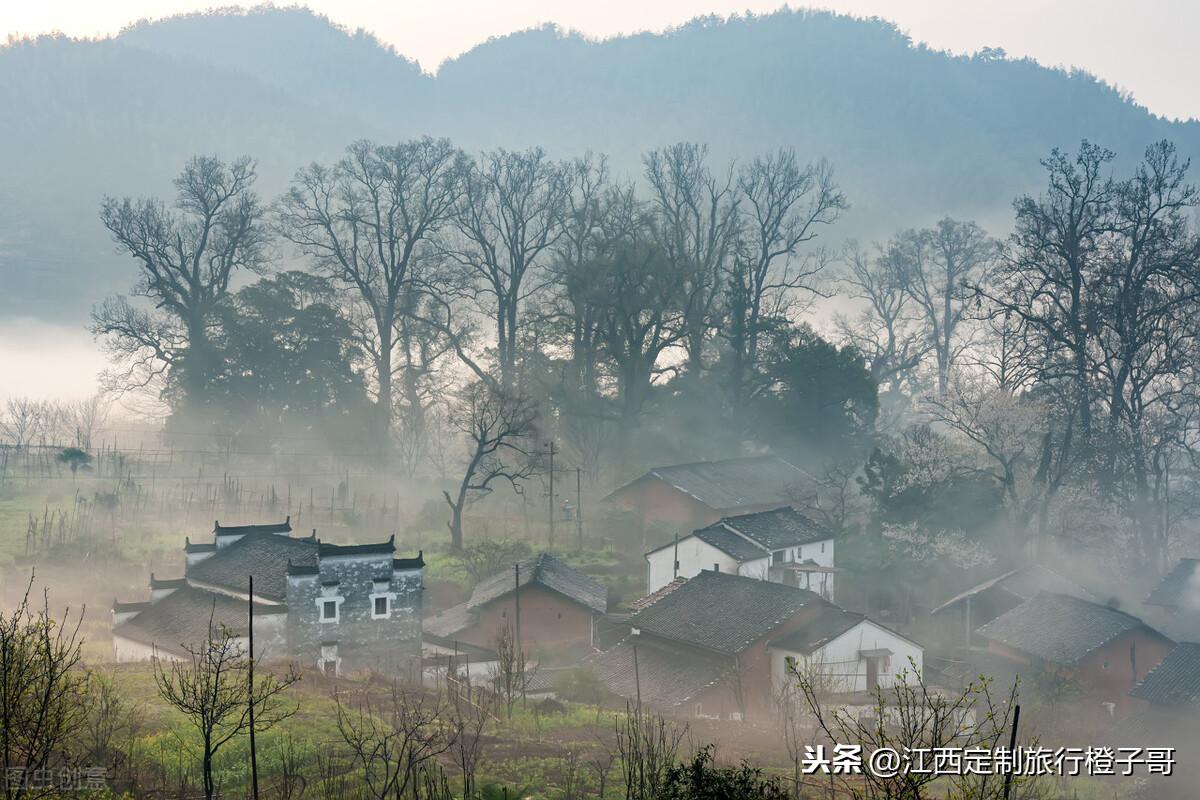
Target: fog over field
[{"x": 694, "y": 407}]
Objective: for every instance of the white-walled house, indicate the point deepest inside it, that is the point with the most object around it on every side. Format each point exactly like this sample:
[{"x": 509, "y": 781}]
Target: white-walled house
[
  {"x": 781, "y": 545},
  {"x": 843, "y": 653}
]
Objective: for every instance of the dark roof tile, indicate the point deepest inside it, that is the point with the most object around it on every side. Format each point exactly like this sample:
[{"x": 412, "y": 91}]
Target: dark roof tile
[
  {"x": 667, "y": 676},
  {"x": 730, "y": 543},
  {"x": 1060, "y": 628},
  {"x": 733, "y": 482},
  {"x": 266, "y": 556},
  {"x": 181, "y": 619},
  {"x": 1176, "y": 679},
  {"x": 722, "y": 612},
  {"x": 830, "y": 624},
  {"x": 550, "y": 572},
  {"x": 1180, "y": 588}
]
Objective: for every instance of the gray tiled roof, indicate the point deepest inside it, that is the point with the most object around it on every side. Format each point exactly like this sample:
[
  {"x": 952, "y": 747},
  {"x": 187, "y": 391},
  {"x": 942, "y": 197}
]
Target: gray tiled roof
[
  {"x": 733, "y": 482},
  {"x": 1023, "y": 583},
  {"x": 182, "y": 618},
  {"x": 1180, "y": 587},
  {"x": 550, "y": 572},
  {"x": 263, "y": 555},
  {"x": 668, "y": 677},
  {"x": 1060, "y": 628},
  {"x": 1176, "y": 679},
  {"x": 730, "y": 543},
  {"x": 778, "y": 528},
  {"x": 450, "y": 621},
  {"x": 831, "y": 623},
  {"x": 723, "y": 612}
]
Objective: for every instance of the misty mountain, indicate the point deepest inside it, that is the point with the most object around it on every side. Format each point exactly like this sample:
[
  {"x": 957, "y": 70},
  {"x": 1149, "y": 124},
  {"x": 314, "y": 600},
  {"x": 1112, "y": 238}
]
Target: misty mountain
[{"x": 913, "y": 133}]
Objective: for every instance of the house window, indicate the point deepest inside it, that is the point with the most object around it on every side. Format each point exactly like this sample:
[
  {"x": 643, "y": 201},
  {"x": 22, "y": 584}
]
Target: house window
[
  {"x": 822, "y": 547},
  {"x": 329, "y": 609},
  {"x": 716, "y": 567},
  {"x": 381, "y": 608},
  {"x": 789, "y": 663}
]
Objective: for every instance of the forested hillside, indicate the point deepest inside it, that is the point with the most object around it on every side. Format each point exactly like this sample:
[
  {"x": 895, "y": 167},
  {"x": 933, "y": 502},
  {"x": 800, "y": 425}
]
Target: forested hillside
[{"x": 912, "y": 133}]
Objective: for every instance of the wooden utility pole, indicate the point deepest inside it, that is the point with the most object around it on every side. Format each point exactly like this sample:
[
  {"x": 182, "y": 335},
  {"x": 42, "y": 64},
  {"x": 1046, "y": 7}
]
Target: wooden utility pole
[
  {"x": 250, "y": 677},
  {"x": 579, "y": 506},
  {"x": 517, "y": 601},
  {"x": 550, "y": 543},
  {"x": 1012, "y": 747}
]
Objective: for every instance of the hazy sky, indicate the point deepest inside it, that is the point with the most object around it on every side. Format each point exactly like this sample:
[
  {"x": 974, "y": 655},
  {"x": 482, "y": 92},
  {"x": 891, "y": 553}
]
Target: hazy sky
[{"x": 1147, "y": 47}]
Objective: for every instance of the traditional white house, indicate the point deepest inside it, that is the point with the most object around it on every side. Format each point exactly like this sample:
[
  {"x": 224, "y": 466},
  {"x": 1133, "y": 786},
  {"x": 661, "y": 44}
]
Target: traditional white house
[
  {"x": 781, "y": 545},
  {"x": 843, "y": 653}
]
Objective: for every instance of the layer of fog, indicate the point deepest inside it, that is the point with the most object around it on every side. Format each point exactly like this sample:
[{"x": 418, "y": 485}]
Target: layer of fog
[{"x": 48, "y": 360}]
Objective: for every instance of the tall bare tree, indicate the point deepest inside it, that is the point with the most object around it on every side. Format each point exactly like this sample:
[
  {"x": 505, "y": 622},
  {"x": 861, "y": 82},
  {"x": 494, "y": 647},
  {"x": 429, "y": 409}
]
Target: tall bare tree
[
  {"x": 783, "y": 206},
  {"x": 368, "y": 222},
  {"x": 696, "y": 213},
  {"x": 643, "y": 301},
  {"x": 508, "y": 220},
  {"x": 1047, "y": 275},
  {"x": 1147, "y": 335},
  {"x": 941, "y": 268},
  {"x": 187, "y": 255},
  {"x": 885, "y": 330}
]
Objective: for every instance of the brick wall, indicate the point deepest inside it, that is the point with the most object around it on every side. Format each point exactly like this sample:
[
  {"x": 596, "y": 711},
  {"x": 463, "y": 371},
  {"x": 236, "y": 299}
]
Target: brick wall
[{"x": 356, "y": 639}]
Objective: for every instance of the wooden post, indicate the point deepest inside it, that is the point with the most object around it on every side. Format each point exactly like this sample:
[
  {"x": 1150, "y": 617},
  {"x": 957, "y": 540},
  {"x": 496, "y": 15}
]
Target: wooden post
[
  {"x": 1012, "y": 746},
  {"x": 517, "y": 601},
  {"x": 579, "y": 506},
  {"x": 250, "y": 677}
]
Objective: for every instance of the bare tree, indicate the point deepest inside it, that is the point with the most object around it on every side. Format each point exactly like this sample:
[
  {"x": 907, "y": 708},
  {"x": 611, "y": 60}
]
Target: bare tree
[
  {"x": 111, "y": 725},
  {"x": 647, "y": 747},
  {"x": 186, "y": 255},
  {"x": 941, "y": 269},
  {"x": 497, "y": 428},
  {"x": 22, "y": 421},
  {"x": 1047, "y": 276},
  {"x": 368, "y": 222},
  {"x": 643, "y": 300},
  {"x": 696, "y": 220},
  {"x": 468, "y": 716},
  {"x": 512, "y": 671},
  {"x": 908, "y": 716},
  {"x": 42, "y": 690},
  {"x": 394, "y": 738},
  {"x": 508, "y": 219},
  {"x": 885, "y": 330},
  {"x": 575, "y": 254},
  {"x": 783, "y": 206},
  {"x": 211, "y": 688}
]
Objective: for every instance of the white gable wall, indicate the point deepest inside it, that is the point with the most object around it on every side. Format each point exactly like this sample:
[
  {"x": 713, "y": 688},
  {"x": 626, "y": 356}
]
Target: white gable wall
[
  {"x": 839, "y": 660},
  {"x": 695, "y": 556}
]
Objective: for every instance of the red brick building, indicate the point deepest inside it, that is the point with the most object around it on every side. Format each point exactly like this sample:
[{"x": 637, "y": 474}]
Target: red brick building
[
  {"x": 1104, "y": 651},
  {"x": 702, "y": 647},
  {"x": 558, "y": 606},
  {"x": 691, "y": 496}
]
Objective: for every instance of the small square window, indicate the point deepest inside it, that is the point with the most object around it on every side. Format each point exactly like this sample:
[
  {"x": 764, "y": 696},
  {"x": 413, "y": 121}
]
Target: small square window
[
  {"x": 329, "y": 609},
  {"x": 381, "y": 606}
]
